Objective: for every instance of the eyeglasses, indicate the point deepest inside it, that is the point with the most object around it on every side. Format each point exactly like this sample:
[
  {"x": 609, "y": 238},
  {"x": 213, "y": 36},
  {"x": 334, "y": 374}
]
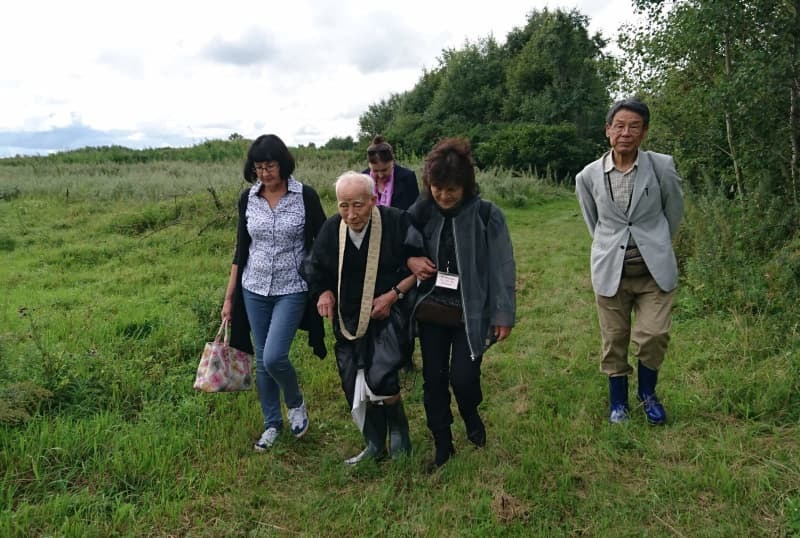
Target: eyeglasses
[
  {"x": 269, "y": 167},
  {"x": 634, "y": 129}
]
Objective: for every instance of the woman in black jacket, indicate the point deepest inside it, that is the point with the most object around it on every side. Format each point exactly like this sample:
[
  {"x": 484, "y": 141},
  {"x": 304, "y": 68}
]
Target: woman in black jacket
[
  {"x": 466, "y": 295},
  {"x": 395, "y": 186}
]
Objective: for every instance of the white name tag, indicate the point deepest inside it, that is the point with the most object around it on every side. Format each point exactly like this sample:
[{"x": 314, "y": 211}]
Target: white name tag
[{"x": 447, "y": 280}]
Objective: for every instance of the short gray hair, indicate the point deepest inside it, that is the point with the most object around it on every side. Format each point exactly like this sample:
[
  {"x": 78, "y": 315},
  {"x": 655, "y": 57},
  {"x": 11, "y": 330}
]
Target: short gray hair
[{"x": 351, "y": 176}]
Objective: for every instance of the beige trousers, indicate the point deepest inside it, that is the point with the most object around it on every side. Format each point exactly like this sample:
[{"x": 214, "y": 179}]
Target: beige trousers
[{"x": 649, "y": 333}]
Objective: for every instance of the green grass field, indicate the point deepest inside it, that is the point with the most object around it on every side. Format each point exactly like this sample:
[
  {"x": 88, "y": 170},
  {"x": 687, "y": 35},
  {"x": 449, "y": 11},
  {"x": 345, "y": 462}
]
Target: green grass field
[{"x": 113, "y": 279}]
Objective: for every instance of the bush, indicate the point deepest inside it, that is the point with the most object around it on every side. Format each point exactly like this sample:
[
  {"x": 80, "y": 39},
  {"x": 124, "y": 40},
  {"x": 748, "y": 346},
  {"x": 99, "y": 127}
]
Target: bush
[
  {"x": 743, "y": 256},
  {"x": 517, "y": 189},
  {"x": 553, "y": 149}
]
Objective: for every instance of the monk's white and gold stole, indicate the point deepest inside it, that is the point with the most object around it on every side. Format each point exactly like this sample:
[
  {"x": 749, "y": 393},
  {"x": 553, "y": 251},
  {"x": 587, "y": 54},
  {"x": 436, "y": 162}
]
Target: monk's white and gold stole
[{"x": 371, "y": 273}]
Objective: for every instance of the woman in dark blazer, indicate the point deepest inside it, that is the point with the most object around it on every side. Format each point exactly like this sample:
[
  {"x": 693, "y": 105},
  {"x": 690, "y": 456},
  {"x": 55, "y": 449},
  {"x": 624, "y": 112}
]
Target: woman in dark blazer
[{"x": 395, "y": 186}]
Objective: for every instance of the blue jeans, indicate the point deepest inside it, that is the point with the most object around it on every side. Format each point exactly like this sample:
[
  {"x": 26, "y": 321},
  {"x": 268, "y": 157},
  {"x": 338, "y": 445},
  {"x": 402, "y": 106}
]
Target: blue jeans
[{"x": 273, "y": 322}]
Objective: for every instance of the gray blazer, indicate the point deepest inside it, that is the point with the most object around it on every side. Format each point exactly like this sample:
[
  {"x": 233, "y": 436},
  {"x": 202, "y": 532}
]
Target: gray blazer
[{"x": 655, "y": 212}]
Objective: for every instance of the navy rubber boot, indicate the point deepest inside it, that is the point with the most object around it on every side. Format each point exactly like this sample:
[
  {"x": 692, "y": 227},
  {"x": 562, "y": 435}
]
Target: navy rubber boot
[
  {"x": 646, "y": 393},
  {"x": 618, "y": 398}
]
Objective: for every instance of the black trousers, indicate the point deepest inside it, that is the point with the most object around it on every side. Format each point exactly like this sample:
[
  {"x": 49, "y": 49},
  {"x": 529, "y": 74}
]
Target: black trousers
[{"x": 446, "y": 361}]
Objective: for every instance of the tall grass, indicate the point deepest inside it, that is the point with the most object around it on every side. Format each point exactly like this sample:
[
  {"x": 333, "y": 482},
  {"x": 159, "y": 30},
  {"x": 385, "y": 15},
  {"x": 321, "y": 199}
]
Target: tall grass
[{"x": 111, "y": 291}]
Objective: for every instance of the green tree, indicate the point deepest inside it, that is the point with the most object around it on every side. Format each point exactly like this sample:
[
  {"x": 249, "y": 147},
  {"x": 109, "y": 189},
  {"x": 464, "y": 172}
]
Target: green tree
[
  {"x": 412, "y": 130},
  {"x": 471, "y": 89},
  {"x": 723, "y": 80},
  {"x": 548, "y": 73},
  {"x": 377, "y": 118},
  {"x": 558, "y": 73},
  {"x": 346, "y": 143},
  {"x": 554, "y": 151}
]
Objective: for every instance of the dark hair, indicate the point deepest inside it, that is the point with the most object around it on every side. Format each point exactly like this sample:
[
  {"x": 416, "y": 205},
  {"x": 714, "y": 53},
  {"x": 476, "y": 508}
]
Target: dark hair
[
  {"x": 632, "y": 104},
  {"x": 450, "y": 163},
  {"x": 380, "y": 151},
  {"x": 268, "y": 148}
]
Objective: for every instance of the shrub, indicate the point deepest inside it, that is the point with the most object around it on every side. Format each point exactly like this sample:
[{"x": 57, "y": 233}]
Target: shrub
[
  {"x": 557, "y": 149},
  {"x": 743, "y": 256}
]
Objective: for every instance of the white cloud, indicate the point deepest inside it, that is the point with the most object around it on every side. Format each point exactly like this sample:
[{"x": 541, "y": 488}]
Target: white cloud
[
  {"x": 179, "y": 72},
  {"x": 254, "y": 47}
]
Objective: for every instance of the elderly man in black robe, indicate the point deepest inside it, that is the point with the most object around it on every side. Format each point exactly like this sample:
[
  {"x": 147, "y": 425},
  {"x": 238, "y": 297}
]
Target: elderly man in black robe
[{"x": 357, "y": 274}]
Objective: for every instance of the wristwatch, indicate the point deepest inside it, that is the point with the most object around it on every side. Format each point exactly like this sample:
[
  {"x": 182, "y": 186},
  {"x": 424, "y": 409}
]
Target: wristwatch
[{"x": 399, "y": 293}]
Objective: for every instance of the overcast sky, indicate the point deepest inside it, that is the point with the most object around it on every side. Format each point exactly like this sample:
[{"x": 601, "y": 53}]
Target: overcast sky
[{"x": 151, "y": 73}]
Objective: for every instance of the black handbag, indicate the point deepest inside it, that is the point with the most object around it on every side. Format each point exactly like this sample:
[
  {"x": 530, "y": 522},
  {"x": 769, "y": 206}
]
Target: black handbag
[
  {"x": 438, "y": 311},
  {"x": 389, "y": 347}
]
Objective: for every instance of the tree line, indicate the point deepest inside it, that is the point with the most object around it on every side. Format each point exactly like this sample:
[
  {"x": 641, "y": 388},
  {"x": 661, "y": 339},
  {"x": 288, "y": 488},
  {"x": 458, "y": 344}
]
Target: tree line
[{"x": 535, "y": 102}]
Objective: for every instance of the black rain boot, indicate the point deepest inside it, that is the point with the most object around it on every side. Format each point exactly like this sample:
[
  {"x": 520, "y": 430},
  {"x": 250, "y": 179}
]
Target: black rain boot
[
  {"x": 476, "y": 431},
  {"x": 399, "y": 439},
  {"x": 374, "y": 435},
  {"x": 443, "y": 441}
]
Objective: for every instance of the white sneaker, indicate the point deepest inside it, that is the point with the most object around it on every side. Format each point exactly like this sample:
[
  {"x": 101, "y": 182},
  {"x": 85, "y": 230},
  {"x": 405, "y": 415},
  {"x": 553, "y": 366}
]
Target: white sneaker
[
  {"x": 298, "y": 420},
  {"x": 267, "y": 439}
]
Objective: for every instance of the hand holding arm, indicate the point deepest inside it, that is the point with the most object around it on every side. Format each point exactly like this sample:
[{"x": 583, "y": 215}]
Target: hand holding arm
[{"x": 421, "y": 266}]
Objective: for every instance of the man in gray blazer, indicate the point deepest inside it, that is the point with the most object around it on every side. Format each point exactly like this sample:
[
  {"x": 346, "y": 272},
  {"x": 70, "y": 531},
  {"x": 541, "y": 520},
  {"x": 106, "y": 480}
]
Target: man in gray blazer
[{"x": 632, "y": 202}]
